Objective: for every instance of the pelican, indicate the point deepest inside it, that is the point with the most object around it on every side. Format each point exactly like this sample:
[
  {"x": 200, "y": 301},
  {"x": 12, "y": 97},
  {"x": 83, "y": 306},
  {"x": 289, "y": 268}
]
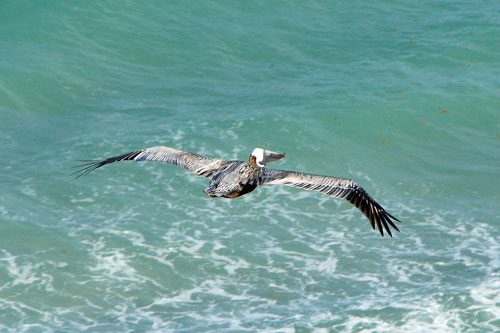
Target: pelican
[{"x": 231, "y": 179}]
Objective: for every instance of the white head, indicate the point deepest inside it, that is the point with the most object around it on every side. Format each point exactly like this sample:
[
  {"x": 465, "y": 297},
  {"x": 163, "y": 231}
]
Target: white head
[{"x": 260, "y": 156}]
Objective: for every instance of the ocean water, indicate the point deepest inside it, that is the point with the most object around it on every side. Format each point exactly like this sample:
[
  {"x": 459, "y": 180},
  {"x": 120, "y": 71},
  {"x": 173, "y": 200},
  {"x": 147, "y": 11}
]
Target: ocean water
[{"x": 402, "y": 97}]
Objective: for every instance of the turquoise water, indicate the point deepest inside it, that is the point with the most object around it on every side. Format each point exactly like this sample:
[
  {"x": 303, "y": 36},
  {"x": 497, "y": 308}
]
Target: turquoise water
[{"x": 403, "y": 97}]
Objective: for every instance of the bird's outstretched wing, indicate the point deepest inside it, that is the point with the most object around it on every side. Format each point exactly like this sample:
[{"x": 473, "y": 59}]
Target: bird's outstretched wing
[
  {"x": 199, "y": 164},
  {"x": 338, "y": 188}
]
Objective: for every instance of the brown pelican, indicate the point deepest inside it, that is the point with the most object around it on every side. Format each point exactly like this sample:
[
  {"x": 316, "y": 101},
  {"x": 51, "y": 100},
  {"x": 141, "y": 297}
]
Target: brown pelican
[{"x": 231, "y": 179}]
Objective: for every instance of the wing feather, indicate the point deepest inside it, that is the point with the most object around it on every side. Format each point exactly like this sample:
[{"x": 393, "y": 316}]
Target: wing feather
[
  {"x": 199, "y": 164},
  {"x": 336, "y": 187}
]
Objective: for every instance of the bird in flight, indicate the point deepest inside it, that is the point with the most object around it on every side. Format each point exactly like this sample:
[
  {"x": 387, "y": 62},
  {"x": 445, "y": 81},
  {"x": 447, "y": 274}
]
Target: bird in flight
[{"x": 231, "y": 179}]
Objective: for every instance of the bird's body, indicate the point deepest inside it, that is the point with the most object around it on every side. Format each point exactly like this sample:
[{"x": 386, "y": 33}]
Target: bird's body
[
  {"x": 235, "y": 179},
  {"x": 231, "y": 179}
]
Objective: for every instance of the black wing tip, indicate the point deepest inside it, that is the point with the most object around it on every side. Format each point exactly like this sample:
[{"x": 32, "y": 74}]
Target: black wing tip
[
  {"x": 86, "y": 168},
  {"x": 91, "y": 165},
  {"x": 393, "y": 218},
  {"x": 387, "y": 220},
  {"x": 379, "y": 218}
]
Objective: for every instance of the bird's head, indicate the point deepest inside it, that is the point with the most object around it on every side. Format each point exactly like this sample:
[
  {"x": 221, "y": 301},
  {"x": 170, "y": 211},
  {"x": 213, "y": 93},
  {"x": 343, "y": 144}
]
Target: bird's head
[{"x": 261, "y": 156}]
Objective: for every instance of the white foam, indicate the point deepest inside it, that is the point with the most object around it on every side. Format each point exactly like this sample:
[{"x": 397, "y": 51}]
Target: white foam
[
  {"x": 487, "y": 295},
  {"x": 111, "y": 263},
  {"x": 82, "y": 200},
  {"x": 20, "y": 273}
]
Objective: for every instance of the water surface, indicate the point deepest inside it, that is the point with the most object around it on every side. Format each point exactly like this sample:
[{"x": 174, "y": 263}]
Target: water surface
[{"x": 401, "y": 97}]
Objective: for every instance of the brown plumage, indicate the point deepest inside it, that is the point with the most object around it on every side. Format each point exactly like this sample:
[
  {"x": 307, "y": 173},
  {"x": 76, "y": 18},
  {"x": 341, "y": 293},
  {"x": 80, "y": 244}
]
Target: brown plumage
[{"x": 231, "y": 179}]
